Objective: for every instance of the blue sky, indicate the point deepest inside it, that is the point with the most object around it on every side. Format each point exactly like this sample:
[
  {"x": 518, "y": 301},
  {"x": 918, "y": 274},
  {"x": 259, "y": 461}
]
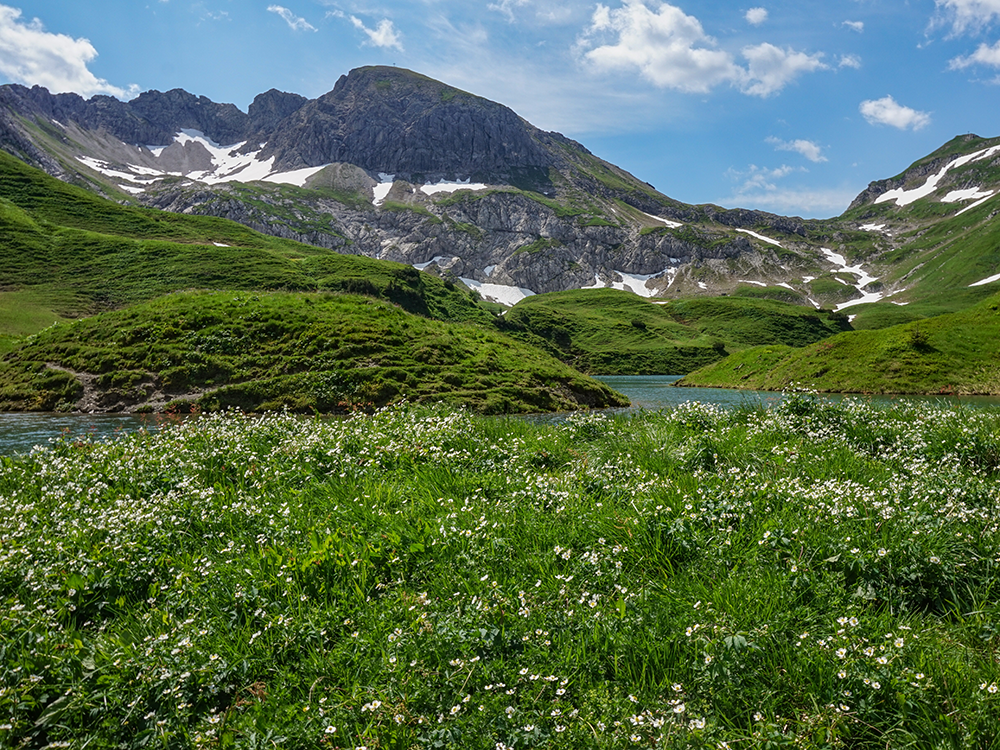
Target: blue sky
[{"x": 790, "y": 106}]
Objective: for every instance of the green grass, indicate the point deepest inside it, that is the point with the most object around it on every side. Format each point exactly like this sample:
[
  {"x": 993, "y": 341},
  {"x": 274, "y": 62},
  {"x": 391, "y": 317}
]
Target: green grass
[
  {"x": 743, "y": 322},
  {"x": 818, "y": 576},
  {"x": 257, "y": 351},
  {"x": 952, "y": 353},
  {"x": 25, "y": 312},
  {"x": 612, "y": 332}
]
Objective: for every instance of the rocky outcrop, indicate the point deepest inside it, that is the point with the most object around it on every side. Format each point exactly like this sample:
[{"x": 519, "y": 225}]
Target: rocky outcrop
[{"x": 270, "y": 108}]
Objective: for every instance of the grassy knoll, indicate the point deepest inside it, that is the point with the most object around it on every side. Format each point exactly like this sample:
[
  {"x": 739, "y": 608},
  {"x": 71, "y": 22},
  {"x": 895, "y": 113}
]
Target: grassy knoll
[
  {"x": 953, "y": 353},
  {"x": 323, "y": 352},
  {"x": 816, "y": 576},
  {"x": 744, "y": 322},
  {"x": 612, "y": 332}
]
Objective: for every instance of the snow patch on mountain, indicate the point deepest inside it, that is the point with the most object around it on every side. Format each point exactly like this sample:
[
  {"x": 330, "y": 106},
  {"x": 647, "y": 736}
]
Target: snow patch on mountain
[
  {"x": 505, "y": 295},
  {"x": 979, "y": 202},
  {"x": 985, "y": 281},
  {"x": 451, "y": 187},
  {"x": 297, "y": 177},
  {"x": 666, "y": 222},
  {"x": 905, "y": 197},
  {"x": 760, "y": 237},
  {"x": 969, "y": 194},
  {"x": 227, "y": 165},
  {"x": 384, "y": 186},
  {"x": 634, "y": 282},
  {"x": 864, "y": 279}
]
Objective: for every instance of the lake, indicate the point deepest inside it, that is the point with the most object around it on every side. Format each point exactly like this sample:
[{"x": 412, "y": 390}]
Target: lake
[{"x": 19, "y": 433}]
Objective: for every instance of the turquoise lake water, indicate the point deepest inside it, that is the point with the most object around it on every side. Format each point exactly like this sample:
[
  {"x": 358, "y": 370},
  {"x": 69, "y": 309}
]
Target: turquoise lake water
[{"x": 19, "y": 433}]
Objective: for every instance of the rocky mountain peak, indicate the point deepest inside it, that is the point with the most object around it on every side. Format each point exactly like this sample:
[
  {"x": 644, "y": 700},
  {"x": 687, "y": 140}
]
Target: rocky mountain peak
[
  {"x": 271, "y": 107},
  {"x": 176, "y": 109},
  {"x": 399, "y": 122}
]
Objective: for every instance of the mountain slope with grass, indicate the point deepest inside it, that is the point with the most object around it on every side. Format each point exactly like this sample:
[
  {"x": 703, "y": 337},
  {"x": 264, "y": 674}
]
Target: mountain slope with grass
[
  {"x": 612, "y": 332},
  {"x": 955, "y": 353},
  {"x": 264, "y": 351},
  {"x": 69, "y": 254}
]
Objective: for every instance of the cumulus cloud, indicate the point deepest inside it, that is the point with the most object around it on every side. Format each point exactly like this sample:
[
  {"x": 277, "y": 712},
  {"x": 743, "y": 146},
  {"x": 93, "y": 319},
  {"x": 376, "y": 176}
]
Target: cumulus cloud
[
  {"x": 812, "y": 151},
  {"x": 985, "y": 55},
  {"x": 857, "y": 26},
  {"x": 293, "y": 21},
  {"x": 850, "y": 61},
  {"x": 756, "y": 178},
  {"x": 968, "y": 15},
  {"x": 756, "y": 16},
  {"x": 773, "y": 68},
  {"x": 672, "y": 50},
  {"x": 33, "y": 56},
  {"x": 668, "y": 47},
  {"x": 886, "y": 111},
  {"x": 384, "y": 35}
]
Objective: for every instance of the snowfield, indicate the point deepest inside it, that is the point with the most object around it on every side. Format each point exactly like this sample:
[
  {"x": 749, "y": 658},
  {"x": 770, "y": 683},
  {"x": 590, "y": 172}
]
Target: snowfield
[
  {"x": 905, "y": 197},
  {"x": 227, "y": 166}
]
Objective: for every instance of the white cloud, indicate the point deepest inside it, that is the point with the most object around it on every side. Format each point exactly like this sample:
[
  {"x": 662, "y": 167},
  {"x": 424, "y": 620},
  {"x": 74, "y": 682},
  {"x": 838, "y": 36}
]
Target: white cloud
[
  {"x": 985, "y": 55},
  {"x": 886, "y": 111},
  {"x": 759, "y": 178},
  {"x": 969, "y": 15},
  {"x": 850, "y": 61},
  {"x": 772, "y": 68},
  {"x": 812, "y": 151},
  {"x": 857, "y": 26},
  {"x": 384, "y": 35},
  {"x": 293, "y": 21},
  {"x": 507, "y": 7},
  {"x": 668, "y": 47},
  {"x": 672, "y": 50},
  {"x": 756, "y": 16},
  {"x": 33, "y": 56}
]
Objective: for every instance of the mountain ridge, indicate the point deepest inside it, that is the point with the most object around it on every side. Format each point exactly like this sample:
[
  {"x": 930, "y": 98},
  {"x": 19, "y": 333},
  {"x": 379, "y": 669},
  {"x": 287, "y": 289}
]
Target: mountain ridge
[{"x": 392, "y": 164}]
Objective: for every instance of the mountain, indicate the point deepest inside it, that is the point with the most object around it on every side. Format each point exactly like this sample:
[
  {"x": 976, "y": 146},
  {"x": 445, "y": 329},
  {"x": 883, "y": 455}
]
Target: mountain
[
  {"x": 96, "y": 315},
  {"x": 393, "y": 165}
]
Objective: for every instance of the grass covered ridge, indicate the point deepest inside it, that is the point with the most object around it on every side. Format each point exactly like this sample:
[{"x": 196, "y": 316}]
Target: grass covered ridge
[
  {"x": 612, "y": 332},
  {"x": 819, "y": 575},
  {"x": 953, "y": 353},
  {"x": 305, "y": 352}
]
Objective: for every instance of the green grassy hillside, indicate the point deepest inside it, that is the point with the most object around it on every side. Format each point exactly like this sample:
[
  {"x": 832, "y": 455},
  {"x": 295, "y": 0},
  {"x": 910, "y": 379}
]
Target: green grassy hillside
[
  {"x": 611, "y": 332},
  {"x": 953, "y": 353},
  {"x": 306, "y": 352},
  {"x": 69, "y": 253}
]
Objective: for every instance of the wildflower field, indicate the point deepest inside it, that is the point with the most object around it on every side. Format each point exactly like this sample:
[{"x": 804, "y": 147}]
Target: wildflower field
[{"x": 816, "y": 575}]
